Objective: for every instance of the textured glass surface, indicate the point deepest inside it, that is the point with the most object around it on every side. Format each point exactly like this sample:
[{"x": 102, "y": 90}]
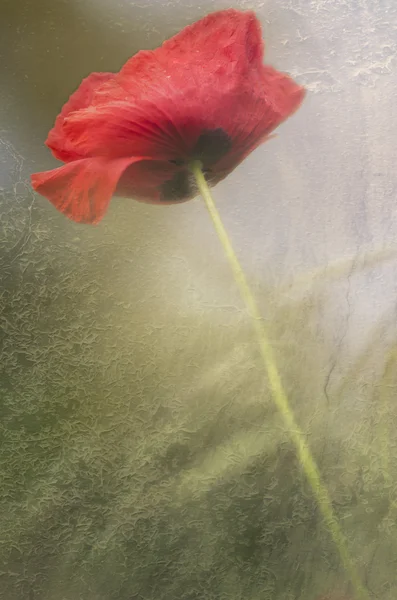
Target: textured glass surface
[{"x": 141, "y": 456}]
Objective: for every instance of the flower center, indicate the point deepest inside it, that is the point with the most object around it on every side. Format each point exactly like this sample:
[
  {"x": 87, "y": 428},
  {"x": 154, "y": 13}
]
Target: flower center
[{"x": 211, "y": 146}]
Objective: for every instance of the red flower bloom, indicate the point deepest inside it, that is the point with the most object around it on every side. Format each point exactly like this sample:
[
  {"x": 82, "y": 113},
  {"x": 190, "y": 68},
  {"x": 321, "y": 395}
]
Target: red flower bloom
[{"x": 205, "y": 94}]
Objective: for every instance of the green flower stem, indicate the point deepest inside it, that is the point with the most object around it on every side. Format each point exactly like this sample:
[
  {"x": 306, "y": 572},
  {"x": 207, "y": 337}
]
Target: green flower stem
[{"x": 307, "y": 461}]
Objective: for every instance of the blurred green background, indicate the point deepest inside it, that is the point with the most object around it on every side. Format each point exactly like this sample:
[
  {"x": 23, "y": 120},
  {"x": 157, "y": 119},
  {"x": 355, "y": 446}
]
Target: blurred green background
[{"x": 141, "y": 456}]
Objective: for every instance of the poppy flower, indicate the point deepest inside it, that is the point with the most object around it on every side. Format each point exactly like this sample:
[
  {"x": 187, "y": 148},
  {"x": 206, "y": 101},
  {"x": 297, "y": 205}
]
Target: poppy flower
[{"x": 204, "y": 95}]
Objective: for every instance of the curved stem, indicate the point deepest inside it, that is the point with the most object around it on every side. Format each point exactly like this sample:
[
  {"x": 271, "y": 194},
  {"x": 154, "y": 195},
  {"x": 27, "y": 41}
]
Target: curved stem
[{"x": 280, "y": 399}]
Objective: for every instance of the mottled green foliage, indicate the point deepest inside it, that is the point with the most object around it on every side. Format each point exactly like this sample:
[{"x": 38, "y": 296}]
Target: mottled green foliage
[{"x": 141, "y": 455}]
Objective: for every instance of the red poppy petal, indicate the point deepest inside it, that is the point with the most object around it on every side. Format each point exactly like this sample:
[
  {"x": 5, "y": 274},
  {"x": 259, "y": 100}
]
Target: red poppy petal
[
  {"x": 283, "y": 97},
  {"x": 82, "y": 189},
  {"x": 122, "y": 128},
  {"x": 157, "y": 182},
  {"x": 142, "y": 181},
  {"x": 58, "y": 143},
  {"x": 228, "y": 39},
  {"x": 208, "y": 78},
  {"x": 278, "y": 98},
  {"x": 161, "y": 100}
]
